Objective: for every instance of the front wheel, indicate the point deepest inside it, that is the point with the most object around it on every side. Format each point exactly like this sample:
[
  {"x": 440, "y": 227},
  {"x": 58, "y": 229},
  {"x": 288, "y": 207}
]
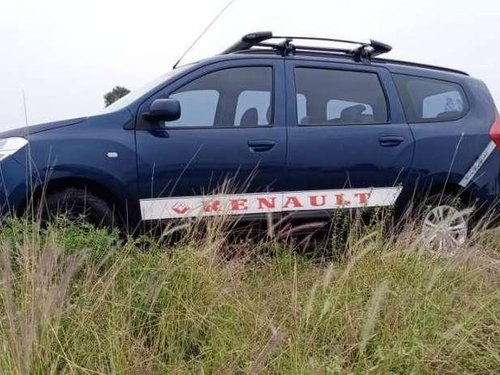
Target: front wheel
[{"x": 77, "y": 205}]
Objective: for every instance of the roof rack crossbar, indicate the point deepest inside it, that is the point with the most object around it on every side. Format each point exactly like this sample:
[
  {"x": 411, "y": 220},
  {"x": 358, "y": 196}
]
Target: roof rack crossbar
[
  {"x": 363, "y": 51},
  {"x": 320, "y": 39},
  {"x": 308, "y": 48}
]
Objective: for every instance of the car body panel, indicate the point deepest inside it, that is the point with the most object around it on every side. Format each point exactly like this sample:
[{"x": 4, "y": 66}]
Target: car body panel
[
  {"x": 79, "y": 151},
  {"x": 193, "y": 161},
  {"x": 347, "y": 156},
  {"x": 34, "y": 129},
  {"x": 134, "y": 164},
  {"x": 445, "y": 151}
]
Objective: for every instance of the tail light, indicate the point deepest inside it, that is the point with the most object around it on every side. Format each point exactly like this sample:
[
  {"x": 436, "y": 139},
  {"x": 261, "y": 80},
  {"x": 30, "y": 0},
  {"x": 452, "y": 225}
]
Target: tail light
[{"x": 495, "y": 130}]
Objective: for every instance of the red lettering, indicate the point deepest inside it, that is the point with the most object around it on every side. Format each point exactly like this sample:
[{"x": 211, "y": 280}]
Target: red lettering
[
  {"x": 314, "y": 200},
  {"x": 363, "y": 197},
  {"x": 292, "y": 201},
  {"x": 268, "y": 203},
  {"x": 211, "y": 206},
  {"x": 341, "y": 201},
  {"x": 239, "y": 204}
]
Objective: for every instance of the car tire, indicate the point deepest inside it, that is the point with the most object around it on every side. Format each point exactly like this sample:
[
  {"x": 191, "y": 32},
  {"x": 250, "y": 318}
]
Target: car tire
[
  {"x": 75, "y": 205},
  {"x": 445, "y": 223}
]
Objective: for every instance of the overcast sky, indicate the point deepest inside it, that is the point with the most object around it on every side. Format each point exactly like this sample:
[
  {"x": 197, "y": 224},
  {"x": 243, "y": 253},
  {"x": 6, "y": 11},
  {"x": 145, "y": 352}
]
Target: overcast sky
[{"x": 66, "y": 54}]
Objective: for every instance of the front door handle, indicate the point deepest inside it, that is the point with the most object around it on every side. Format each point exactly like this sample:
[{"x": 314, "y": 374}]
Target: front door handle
[
  {"x": 261, "y": 145},
  {"x": 390, "y": 141}
]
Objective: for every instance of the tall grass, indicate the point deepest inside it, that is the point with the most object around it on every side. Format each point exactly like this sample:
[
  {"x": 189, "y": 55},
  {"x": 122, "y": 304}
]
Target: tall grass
[{"x": 74, "y": 299}]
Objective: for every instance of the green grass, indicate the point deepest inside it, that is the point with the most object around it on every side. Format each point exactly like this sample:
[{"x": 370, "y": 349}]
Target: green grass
[{"x": 74, "y": 299}]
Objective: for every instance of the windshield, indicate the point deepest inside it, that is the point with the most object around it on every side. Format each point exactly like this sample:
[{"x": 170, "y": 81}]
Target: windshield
[{"x": 137, "y": 94}]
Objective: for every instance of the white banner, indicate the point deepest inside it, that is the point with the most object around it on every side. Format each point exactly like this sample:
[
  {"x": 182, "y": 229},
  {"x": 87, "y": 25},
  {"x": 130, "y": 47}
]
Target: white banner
[{"x": 261, "y": 203}]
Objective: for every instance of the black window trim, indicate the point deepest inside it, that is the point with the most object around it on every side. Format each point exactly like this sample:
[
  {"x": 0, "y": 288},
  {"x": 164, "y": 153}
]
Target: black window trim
[
  {"x": 273, "y": 100},
  {"x": 345, "y": 69},
  {"x": 435, "y": 120}
]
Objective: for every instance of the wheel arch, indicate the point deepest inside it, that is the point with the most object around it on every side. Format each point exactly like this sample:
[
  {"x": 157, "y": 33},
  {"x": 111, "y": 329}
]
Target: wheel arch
[
  {"x": 48, "y": 187},
  {"x": 468, "y": 196}
]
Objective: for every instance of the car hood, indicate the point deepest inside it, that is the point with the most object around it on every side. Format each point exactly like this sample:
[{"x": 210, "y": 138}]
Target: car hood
[{"x": 28, "y": 130}]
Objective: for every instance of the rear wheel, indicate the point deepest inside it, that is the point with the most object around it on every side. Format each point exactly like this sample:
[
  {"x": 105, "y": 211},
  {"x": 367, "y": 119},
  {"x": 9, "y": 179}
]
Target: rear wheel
[
  {"x": 79, "y": 205},
  {"x": 445, "y": 222}
]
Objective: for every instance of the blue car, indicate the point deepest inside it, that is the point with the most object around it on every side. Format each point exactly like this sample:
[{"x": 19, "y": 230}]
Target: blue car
[{"x": 276, "y": 125}]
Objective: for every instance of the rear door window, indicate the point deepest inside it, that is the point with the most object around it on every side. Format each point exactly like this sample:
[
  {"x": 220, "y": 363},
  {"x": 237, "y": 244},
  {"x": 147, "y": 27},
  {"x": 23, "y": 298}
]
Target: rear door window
[
  {"x": 430, "y": 100},
  {"x": 339, "y": 97},
  {"x": 301, "y": 106},
  {"x": 335, "y": 107}
]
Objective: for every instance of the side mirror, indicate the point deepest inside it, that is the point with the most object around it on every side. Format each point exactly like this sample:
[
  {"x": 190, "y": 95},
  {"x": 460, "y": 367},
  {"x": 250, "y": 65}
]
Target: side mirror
[{"x": 164, "y": 110}]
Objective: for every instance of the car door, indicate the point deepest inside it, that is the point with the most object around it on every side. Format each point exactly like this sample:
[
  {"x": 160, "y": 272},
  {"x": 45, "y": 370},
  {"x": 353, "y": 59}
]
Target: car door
[
  {"x": 347, "y": 136},
  {"x": 230, "y": 138}
]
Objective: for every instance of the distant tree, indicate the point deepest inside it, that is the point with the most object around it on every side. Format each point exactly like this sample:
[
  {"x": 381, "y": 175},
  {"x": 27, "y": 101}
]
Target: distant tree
[{"x": 115, "y": 94}]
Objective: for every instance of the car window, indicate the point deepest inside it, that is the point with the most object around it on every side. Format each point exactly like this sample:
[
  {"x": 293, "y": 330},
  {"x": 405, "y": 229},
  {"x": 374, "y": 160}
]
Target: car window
[
  {"x": 230, "y": 97},
  {"x": 205, "y": 102},
  {"x": 430, "y": 100},
  {"x": 338, "y": 97},
  {"x": 335, "y": 107},
  {"x": 301, "y": 106},
  {"x": 257, "y": 100},
  {"x": 445, "y": 103}
]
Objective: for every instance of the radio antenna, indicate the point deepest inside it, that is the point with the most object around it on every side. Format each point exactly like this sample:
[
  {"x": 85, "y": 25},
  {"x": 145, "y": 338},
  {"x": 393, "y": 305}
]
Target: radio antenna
[{"x": 204, "y": 32}]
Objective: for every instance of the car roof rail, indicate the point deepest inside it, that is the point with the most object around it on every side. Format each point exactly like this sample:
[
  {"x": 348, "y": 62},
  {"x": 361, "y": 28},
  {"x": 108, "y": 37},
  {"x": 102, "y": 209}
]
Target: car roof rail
[{"x": 283, "y": 45}]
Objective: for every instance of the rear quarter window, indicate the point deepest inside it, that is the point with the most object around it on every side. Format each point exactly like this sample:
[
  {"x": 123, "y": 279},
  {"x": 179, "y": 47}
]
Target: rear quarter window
[{"x": 431, "y": 100}]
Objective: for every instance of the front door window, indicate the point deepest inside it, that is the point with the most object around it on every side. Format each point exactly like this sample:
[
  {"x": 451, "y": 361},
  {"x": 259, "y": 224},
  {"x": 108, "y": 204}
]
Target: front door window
[{"x": 226, "y": 98}]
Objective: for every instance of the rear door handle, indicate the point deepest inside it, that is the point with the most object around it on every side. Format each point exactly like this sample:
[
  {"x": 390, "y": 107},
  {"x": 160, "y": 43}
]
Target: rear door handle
[
  {"x": 390, "y": 141},
  {"x": 261, "y": 145}
]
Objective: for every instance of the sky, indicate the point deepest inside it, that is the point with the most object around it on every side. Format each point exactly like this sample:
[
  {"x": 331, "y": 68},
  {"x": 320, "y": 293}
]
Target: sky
[{"x": 64, "y": 55}]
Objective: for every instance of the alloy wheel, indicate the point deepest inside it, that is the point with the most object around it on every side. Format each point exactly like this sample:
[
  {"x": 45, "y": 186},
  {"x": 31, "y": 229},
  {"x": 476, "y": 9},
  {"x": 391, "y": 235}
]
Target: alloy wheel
[{"x": 444, "y": 230}]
